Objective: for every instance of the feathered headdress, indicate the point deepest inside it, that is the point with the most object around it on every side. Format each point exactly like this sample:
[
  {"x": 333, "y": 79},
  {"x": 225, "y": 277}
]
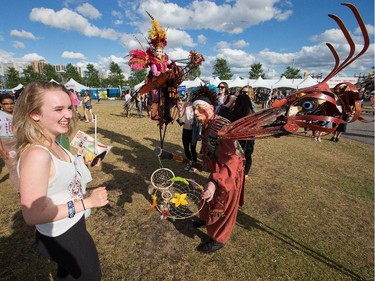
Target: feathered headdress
[{"x": 157, "y": 35}]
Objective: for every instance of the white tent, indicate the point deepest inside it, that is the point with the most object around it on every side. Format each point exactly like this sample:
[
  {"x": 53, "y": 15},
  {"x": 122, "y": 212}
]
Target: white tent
[
  {"x": 73, "y": 84},
  {"x": 194, "y": 83},
  {"x": 19, "y": 86},
  {"x": 216, "y": 81},
  {"x": 307, "y": 82},
  {"x": 261, "y": 83},
  {"x": 54, "y": 81},
  {"x": 285, "y": 83},
  {"x": 237, "y": 82}
]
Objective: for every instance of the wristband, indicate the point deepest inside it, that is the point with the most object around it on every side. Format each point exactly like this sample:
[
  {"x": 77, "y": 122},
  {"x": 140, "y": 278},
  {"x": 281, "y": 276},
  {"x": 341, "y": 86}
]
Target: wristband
[
  {"x": 84, "y": 208},
  {"x": 71, "y": 209}
]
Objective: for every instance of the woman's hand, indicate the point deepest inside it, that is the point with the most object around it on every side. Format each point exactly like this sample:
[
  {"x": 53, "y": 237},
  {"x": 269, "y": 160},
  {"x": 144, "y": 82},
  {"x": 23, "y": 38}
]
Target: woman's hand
[{"x": 98, "y": 198}]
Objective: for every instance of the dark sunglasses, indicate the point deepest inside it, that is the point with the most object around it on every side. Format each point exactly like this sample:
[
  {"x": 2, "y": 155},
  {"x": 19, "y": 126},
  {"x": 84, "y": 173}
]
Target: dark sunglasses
[{"x": 221, "y": 87}]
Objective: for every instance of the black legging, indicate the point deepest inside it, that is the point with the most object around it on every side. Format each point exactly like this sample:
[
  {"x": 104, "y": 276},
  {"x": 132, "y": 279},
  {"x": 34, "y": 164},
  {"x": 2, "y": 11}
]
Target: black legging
[
  {"x": 189, "y": 148},
  {"x": 248, "y": 147},
  {"x": 74, "y": 251}
]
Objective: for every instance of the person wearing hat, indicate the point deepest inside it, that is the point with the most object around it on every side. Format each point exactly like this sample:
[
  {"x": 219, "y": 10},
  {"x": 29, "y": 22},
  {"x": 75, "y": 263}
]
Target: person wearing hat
[{"x": 224, "y": 160}]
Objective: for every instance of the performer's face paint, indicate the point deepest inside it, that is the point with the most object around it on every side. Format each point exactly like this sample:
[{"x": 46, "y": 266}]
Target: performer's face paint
[
  {"x": 202, "y": 111},
  {"x": 159, "y": 53}
]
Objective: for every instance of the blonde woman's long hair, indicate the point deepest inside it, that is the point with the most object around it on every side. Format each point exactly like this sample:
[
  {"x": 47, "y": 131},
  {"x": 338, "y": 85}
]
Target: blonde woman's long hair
[{"x": 26, "y": 130}]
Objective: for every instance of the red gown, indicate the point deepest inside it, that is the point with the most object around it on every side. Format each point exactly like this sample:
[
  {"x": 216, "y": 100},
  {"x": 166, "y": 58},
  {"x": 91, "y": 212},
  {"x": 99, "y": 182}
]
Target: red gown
[{"x": 225, "y": 162}]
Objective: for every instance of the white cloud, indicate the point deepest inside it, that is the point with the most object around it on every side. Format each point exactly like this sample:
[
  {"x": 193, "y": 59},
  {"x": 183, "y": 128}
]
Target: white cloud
[
  {"x": 240, "y": 44},
  {"x": 228, "y": 17},
  {"x": 18, "y": 45},
  {"x": 68, "y": 20},
  {"x": 89, "y": 11},
  {"x": 222, "y": 45},
  {"x": 202, "y": 39},
  {"x": 6, "y": 56},
  {"x": 22, "y": 34},
  {"x": 179, "y": 38},
  {"x": 31, "y": 57},
  {"x": 369, "y": 28},
  {"x": 73, "y": 55}
]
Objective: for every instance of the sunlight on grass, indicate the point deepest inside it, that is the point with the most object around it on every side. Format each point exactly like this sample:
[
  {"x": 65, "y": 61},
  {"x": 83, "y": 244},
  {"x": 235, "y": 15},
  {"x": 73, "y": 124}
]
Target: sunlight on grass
[{"x": 308, "y": 213}]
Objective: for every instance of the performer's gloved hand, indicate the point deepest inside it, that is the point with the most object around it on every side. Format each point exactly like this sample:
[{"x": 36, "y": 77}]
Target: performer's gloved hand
[{"x": 209, "y": 191}]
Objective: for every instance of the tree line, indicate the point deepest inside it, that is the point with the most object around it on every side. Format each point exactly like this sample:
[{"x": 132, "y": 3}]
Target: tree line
[{"x": 115, "y": 77}]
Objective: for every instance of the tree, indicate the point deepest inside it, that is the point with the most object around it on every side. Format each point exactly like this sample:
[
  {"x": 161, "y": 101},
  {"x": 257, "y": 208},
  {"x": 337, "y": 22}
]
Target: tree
[
  {"x": 30, "y": 75},
  {"x": 115, "y": 77},
  {"x": 50, "y": 73},
  {"x": 92, "y": 77},
  {"x": 256, "y": 70},
  {"x": 71, "y": 72},
  {"x": 13, "y": 78},
  {"x": 222, "y": 70},
  {"x": 136, "y": 77},
  {"x": 291, "y": 73},
  {"x": 196, "y": 72}
]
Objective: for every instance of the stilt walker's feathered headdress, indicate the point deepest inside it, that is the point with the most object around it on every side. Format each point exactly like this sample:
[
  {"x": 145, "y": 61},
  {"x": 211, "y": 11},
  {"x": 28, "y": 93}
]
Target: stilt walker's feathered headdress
[{"x": 157, "y": 35}]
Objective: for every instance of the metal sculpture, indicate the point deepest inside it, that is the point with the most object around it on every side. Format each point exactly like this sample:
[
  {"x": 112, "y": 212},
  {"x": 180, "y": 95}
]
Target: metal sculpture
[{"x": 309, "y": 108}]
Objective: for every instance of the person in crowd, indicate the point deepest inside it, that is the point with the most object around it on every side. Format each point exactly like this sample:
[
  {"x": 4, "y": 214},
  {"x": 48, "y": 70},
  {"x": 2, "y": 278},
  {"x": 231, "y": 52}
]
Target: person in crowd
[
  {"x": 223, "y": 94},
  {"x": 75, "y": 100},
  {"x": 247, "y": 145},
  {"x": 7, "y": 140},
  {"x": 88, "y": 107},
  {"x": 51, "y": 183},
  {"x": 189, "y": 144},
  {"x": 223, "y": 160},
  {"x": 127, "y": 103},
  {"x": 341, "y": 128},
  {"x": 242, "y": 106},
  {"x": 139, "y": 102}
]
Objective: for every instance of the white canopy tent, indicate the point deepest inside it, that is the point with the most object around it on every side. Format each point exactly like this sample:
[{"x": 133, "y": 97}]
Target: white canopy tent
[
  {"x": 237, "y": 83},
  {"x": 261, "y": 83},
  {"x": 54, "y": 81},
  {"x": 73, "y": 84},
  {"x": 19, "y": 86},
  {"x": 192, "y": 83},
  {"x": 216, "y": 81},
  {"x": 307, "y": 82},
  {"x": 285, "y": 83}
]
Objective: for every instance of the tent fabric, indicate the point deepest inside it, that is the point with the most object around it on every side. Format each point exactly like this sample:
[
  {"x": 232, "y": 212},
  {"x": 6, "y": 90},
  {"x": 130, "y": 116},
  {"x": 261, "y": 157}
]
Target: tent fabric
[
  {"x": 237, "y": 83},
  {"x": 307, "y": 82},
  {"x": 192, "y": 83},
  {"x": 284, "y": 83},
  {"x": 73, "y": 84},
  {"x": 18, "y": 87},
  {"x": 261, "y": 83}
]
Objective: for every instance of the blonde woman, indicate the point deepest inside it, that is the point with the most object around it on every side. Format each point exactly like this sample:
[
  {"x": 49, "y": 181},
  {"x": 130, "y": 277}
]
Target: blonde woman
[
  {"x": 51, "y": 181},
  {"x": 88, "y": 107}
]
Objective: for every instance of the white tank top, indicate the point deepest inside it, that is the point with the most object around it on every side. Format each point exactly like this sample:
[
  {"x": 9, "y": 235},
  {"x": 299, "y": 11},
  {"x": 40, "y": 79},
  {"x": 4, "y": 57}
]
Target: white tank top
[{"x": 63, "y": 187}]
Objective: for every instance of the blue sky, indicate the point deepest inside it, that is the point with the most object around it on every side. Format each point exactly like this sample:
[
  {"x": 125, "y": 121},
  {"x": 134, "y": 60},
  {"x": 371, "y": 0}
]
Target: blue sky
[{"x": 276, "y": 33}]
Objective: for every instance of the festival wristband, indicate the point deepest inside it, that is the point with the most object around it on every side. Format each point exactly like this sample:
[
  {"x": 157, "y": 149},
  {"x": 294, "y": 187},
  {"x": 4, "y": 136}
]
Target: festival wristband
[
  {"x": 83, "y": 205},
  {"x": 71, "y": 209}
]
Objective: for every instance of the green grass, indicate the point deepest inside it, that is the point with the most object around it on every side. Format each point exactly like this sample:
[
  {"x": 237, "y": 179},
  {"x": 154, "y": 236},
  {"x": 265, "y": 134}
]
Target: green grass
[{"x": 308, "y": 214}]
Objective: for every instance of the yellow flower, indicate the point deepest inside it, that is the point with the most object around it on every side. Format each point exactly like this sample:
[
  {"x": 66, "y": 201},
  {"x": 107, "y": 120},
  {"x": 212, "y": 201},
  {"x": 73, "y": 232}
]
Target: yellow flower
[{"x": 179, "y": 199}]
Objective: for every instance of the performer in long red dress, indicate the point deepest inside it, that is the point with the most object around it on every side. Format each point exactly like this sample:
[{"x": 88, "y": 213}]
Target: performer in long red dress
[{"x": 224, "y": 160}]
